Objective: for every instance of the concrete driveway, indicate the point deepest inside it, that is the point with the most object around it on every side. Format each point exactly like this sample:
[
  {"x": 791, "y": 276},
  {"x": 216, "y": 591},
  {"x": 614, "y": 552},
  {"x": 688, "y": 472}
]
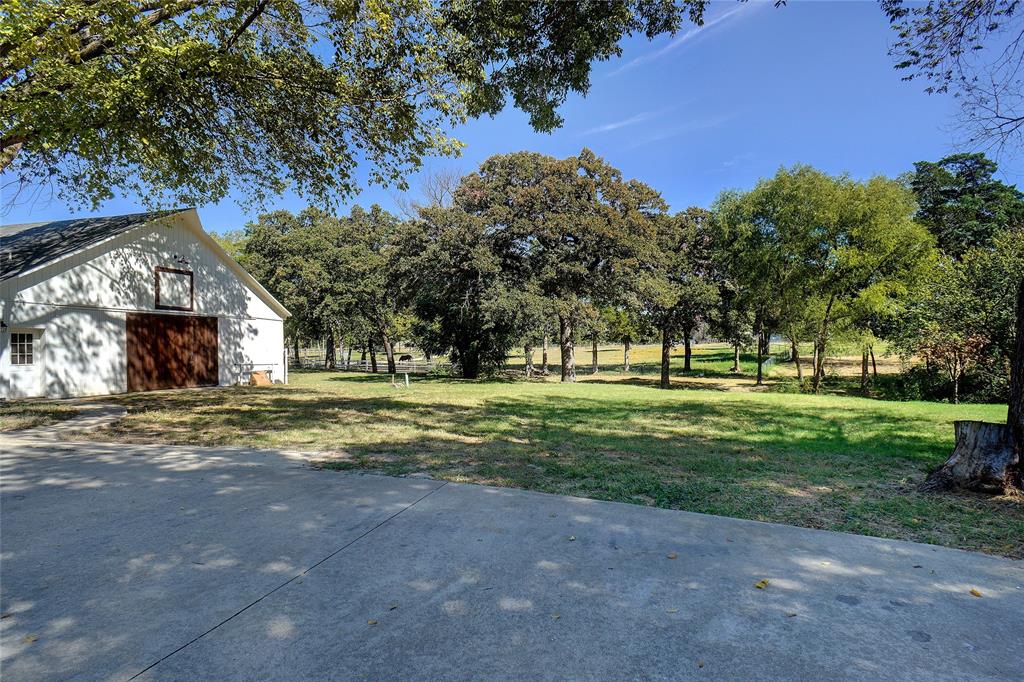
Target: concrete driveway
[{"x": 185, "y": 563}]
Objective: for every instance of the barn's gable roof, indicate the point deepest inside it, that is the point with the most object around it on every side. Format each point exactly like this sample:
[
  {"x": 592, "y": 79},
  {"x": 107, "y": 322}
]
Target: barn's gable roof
[
  {"x": 31, "y": 246},
  {"x": 28, "y": 246}
]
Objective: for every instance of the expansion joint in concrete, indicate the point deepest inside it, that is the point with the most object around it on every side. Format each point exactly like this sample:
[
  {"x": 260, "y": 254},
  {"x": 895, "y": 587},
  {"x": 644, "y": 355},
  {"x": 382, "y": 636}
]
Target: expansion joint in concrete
[{"x": 287, "y": 582}]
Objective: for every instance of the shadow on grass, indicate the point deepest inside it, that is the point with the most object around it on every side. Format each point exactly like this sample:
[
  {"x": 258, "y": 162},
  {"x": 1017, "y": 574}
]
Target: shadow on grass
[
  {"x": 676, "y": 383},
  {"x": 622, "y": 424},
  {"x": 843, "y": 467}
]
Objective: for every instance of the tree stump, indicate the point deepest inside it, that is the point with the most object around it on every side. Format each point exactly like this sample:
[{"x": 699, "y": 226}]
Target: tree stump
[{"x": 979, "y": 462}]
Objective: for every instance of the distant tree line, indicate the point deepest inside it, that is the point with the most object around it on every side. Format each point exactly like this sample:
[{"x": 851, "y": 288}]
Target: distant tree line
[{"x": 530, "y": 250}]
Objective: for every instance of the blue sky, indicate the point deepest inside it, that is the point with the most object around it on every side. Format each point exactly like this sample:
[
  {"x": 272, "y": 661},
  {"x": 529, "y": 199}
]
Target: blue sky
[{"x": 709, "y": 109}]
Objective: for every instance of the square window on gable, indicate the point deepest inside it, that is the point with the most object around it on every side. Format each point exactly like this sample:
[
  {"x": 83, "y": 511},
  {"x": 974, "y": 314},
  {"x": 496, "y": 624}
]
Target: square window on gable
[{"x": 174, "y": 289}]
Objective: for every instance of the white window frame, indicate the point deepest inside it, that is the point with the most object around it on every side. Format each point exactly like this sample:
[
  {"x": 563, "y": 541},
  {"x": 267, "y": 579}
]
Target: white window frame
[{"x": 33, "y": 347}]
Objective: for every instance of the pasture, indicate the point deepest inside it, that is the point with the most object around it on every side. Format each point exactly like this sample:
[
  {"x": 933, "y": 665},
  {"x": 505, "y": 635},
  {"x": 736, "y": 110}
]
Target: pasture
[{"x": 830, "y": 461}]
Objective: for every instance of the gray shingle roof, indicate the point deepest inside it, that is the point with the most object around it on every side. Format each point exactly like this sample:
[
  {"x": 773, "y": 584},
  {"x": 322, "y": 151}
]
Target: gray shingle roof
[{"x": 27, "y": 246}]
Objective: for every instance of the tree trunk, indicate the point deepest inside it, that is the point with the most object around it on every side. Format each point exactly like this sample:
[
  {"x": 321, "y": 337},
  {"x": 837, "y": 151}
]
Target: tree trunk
[
  {"x": 819, "y": 367},
  {"x": 544, "y": 357},
  {"x": 625, "y": 357},
  {"x": 373, "y": 355},
  {"x": 687, "y": 350},
  {"x": 981, "y": 461},
  {"x": 760, "y": 357},
  {"x": 1014, "y": 479},
  {"x": 362, "y": 357},
  {"x": 874, "y": 367},
  {"x": 795, "y": 354},
  {"x": 348, "y": 358},
  {"x": 735, "y": 358},
  {"x": 666, "y": 357},
  {"x": 820, "y": 343},
  {"x": 469, "y": 361},
  {"x": 8, "y": 154},
  {"x": 330, "y": 361},
  {"x": 864, "y": 371},
  {"x": 389, "y": 352},
  {"x": 295, "y": 344},
  {"x": 528, "y": 354},
  {"x": 594, "y": 366},
  {"x": 567, "y": 342}
]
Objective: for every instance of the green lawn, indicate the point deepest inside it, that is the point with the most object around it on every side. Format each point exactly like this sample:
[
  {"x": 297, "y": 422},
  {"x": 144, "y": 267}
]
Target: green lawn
[
  {"x": 711, "y": 364},
  {"x": 833, "y": 462}
]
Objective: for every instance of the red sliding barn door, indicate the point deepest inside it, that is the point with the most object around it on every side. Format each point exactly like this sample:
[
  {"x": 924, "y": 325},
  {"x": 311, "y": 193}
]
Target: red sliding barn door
[{"x": 170, "y": 351}]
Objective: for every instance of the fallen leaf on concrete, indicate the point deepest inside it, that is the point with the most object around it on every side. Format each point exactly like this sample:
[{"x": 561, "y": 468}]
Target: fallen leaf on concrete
[
  {"x": 672, "y": 555},
  {"x": 5, "y": 615},
  {"x": 572, "y": 538},
  {"x": 555, "y": 616},
  {"x": 28, "y": 639},
  {"x": 790, "y": 615},
  {"x": 371, "y": 622},
  {"x": 392, "y": 607},
  {"x": 700, "y": 664},
  {"x": 761, "y": 584},
  {"x": 671, "y": 610},
  {"x": 975, "y": 593}
]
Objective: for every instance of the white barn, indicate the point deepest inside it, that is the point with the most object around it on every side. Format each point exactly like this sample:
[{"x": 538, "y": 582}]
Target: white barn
[{"x": 127, "y": 303}]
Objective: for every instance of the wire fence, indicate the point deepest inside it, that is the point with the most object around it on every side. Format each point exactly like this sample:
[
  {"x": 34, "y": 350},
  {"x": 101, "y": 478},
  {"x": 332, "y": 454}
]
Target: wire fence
[
  {"x": 346, "y": 360},
  {"x": 405, "y": 363}
]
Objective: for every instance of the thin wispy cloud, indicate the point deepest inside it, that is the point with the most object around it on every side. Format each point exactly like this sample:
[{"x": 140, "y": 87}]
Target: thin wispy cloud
[
  {"x": 688, "y": 127},
  {"x": 687, "y": 37},
  {"x": 632, "y": 120},
  {"x": 735, "y": 162}
]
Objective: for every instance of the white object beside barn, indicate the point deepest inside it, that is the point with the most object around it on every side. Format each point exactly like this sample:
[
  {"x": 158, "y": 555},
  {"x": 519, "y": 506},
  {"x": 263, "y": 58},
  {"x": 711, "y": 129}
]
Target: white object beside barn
[{"x": 110, "y": 305}]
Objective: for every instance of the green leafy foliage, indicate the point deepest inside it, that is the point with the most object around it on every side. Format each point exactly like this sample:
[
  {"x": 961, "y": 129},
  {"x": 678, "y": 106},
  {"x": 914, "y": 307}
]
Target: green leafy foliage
[
  {"x": 331, "y": 273},
  {"x": 449, "y": 270},
  {"x": 961, "y": 202},
  {"x": 625, "y": 325},
  {"x": 290, "y": 255},
  {"x": 584, "y": 234},
  {"x": 683, "y": 290},
  {"x": 182, "y": 101},
  {"x": 805, "y": 245},
  {"x": 962, "y": 322},
  {"x": 232, "y": 241}
]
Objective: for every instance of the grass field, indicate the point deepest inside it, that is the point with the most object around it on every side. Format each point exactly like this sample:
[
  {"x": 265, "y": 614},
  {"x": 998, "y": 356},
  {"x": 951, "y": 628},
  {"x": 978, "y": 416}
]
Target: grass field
[
  {"x": 834, "y": 462},
  {"x": 27, "y": 415},
  {"x": 711, "y": 364}
]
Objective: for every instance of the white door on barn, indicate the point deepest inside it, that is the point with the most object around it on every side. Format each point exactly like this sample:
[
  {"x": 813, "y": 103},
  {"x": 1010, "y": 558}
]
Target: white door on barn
[{"x": 25, "y": 361}]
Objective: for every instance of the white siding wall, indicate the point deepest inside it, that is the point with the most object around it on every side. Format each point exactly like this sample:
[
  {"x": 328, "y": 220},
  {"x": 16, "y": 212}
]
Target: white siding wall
[
  {"x": 247, "y": 345},
  {"x": 80, "y": 303}
]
